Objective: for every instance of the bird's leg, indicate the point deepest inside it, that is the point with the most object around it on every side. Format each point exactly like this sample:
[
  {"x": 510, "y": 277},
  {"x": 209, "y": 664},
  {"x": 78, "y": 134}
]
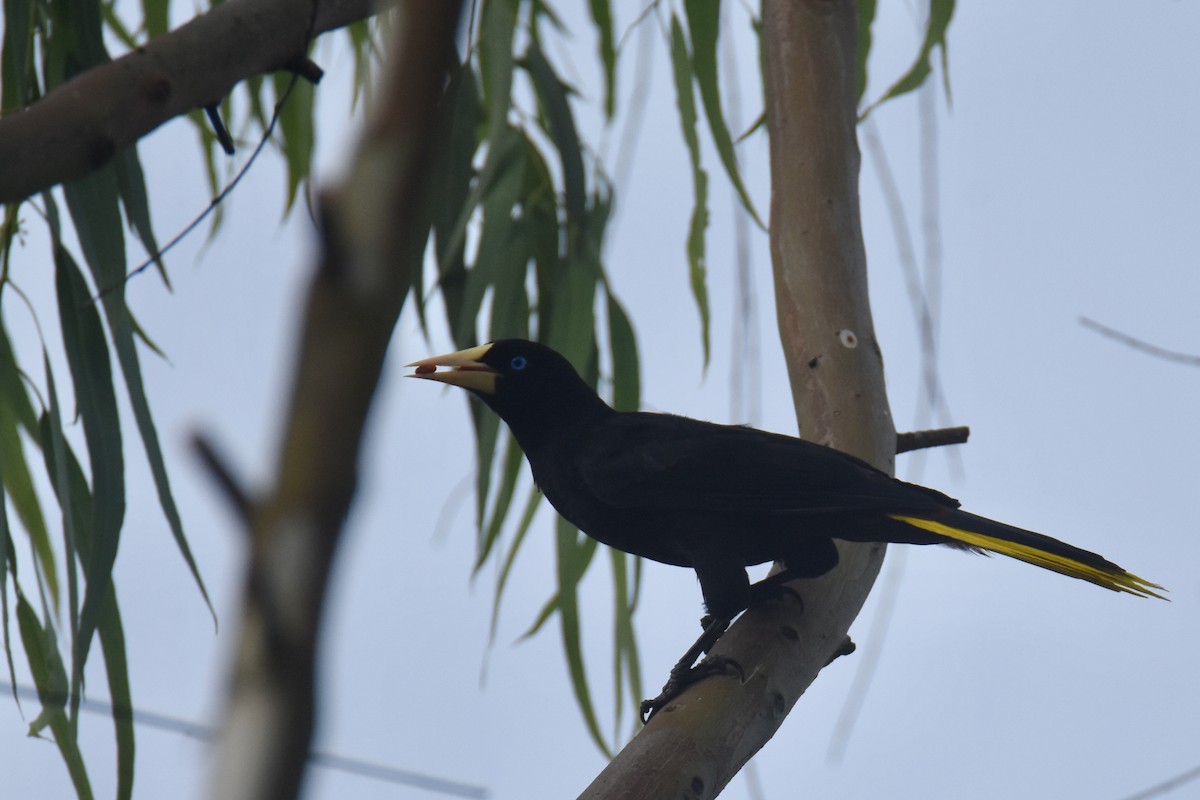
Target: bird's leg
[{"x": 683, "y": 674}]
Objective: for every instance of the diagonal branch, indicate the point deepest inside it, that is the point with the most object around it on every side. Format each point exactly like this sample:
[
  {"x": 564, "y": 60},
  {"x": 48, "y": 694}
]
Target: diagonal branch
[
  {"x": 695, "y": 746},
  {"x": 83, "y": 123},
  {"x": 375, "y": 229}
]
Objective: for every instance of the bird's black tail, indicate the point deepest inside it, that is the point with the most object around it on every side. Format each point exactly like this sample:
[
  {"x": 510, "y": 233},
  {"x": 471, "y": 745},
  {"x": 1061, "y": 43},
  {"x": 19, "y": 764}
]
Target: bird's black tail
[{"x": 969, "y": 530}]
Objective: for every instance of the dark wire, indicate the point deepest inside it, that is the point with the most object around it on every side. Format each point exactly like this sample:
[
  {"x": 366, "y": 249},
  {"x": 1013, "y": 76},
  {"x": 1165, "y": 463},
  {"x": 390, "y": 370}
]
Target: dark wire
[
  {"x": 216, "y": 201},
  {"x": 320, "y": 758}
]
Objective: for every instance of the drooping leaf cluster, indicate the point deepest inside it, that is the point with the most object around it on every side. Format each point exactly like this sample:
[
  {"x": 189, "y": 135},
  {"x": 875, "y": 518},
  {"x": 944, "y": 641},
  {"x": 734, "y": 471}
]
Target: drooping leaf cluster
[
  {"x": 518, "y": 218},
  {"x": 63, "y": 590}
]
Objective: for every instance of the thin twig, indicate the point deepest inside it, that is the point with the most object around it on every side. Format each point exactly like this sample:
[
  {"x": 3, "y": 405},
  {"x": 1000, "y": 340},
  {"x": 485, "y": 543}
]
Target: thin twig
[
  {"x": 938, "y": 437},
  {"x": 223, "y": 475}
]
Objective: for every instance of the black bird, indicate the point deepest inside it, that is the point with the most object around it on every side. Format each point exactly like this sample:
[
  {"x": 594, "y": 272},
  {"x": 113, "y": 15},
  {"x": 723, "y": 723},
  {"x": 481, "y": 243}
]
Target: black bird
[{"x": 720, "y": 498}]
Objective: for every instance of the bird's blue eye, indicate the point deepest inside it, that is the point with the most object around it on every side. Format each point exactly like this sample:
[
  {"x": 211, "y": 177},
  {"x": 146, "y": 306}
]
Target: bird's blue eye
[{"x": 518, "y": 363}]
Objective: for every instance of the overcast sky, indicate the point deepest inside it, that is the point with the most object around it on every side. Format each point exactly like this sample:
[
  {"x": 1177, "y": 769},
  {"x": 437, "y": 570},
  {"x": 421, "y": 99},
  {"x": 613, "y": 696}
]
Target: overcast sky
[{"x": 1070, "y": 186}]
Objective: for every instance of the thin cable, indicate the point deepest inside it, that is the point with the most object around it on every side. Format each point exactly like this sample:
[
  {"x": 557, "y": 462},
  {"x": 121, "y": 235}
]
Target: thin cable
[
  {"x": 212, "y": 205},
  {"x": 202, "y": 733},
  {"x": 1169, "y": 785}
]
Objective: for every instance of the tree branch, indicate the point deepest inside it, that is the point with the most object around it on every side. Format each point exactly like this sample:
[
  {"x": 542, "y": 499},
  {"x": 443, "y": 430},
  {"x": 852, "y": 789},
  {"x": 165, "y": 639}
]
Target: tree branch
[
  {"x": 938, "y": 437},
  {"x": 83, "y": 123},
  {"x": 375, "y": 230},
  {"x": 699, "y": 742}
]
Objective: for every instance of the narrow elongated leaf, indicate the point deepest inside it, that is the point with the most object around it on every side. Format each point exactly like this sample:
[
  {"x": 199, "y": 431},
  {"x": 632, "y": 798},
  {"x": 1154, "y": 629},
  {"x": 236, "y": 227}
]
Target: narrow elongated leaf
[
  {"x": 502, "y": 153},
  {"x": 86, "y": 34},
  {"x": 91, "y": 373},
  {"x": 155, "y": 16},
  {"x": 626, "y": 664},
  {"x": 12, "y": 387},
  {"x": 18, "y": 482},
  {"x": 496, "y": 63},
  {"x": 560, "y": 124},
  {"x": 510, "y": 470},
  {"x": 865, "y": 18},
  {"x": 703, "y": 17},
  {"x": 450, "y": 187},
  {"x": 94, "y": 208},
  {"x": 74, "y": 496},
  {"x": 8, "y": 562},
  {"x": 496, "y": 253},
  {"x": 54, "y": 447},
  {"x": 93, "y": 202},
  {"x": 50, "y": 679},
  {"x": 575, "y": 552},
  {"x": 131, "y": 184},
  {"x": 941, "y": 12},
  {"x": 622, "y": 344},
  {"x": 112, "y": 643},
  {"x": 296, "y": 127},
  {"x": 602, "y": 17},
  {"x": 531, "y": 507},
  {"x": 697, "y": 268},
  {"x": 16, "y": 70}
]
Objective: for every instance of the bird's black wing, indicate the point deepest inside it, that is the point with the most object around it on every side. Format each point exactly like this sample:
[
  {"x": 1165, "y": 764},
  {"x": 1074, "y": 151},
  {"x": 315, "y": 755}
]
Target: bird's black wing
[{"x": 666, "y": 462}]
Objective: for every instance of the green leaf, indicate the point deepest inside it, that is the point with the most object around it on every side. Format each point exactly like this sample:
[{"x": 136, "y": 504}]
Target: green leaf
[
  {"x": 865, "y": 18},
  {"x": 296, "y": 128},
  {"x": 131, "y": 184},
  {"x": 626, "y": 663},
  {"x": 19, "y": 484},
  {"x": 602, "y": 17},
  {"x": 682, "y": 65},
  {"x": 50, "y": 679},
  {"x": 155, "y": 14},
  {"x": 703, "y": 17},
  {"x": 93, "y": 205},
  {"x": 54, "y": 448},
  {"x": 510, "y": 470},
  {"x": 622, "y": 344},
  {"x": 112, "y": 642},
  {"x": 450, "y": 196},
  {"x": 91, "y": 373},
  {"x": 18, "y": 79},
  {"x": 941, "y": 12},
  {"x": 575, "y": 552},
  {"x": 560, "y": 125},
  {"x": 494, "y": 256},
  {"x": 8, "y": 562},
  {"x": 496, "y": 63},
  {"x": 531, "y": 507},
  {"x": 12, "y": 387}
]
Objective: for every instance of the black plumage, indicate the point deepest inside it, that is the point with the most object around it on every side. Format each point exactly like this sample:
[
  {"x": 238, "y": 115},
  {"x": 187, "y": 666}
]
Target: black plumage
[{"x": 719, "y": 498}]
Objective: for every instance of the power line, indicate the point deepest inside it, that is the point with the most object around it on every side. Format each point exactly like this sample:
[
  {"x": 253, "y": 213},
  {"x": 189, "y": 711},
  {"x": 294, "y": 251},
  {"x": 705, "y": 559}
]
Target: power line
[{"x": 320, "y": 758}]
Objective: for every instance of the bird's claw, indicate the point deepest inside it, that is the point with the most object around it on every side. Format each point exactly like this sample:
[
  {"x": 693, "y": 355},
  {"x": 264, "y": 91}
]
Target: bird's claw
[{"x": 683, "y": 676}]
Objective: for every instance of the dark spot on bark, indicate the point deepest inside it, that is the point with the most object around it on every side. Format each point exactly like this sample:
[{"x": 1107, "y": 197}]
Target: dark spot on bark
[
  {"x": 697, "y": 785},
  {"x": 158, "y": 89},
  {"x": 789, "y": 633},
  {"x": 813, "y": 362},
  {"x": 99, "y": 150}
]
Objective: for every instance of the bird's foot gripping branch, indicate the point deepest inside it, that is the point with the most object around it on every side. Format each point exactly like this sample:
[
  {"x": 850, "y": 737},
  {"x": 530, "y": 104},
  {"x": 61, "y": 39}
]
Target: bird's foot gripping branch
[{"x": 687, "y": 672}]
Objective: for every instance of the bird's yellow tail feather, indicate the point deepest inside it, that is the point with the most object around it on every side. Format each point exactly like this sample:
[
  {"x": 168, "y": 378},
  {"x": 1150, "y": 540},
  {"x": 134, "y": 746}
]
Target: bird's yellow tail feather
[{"x": 1110, "y": 576}]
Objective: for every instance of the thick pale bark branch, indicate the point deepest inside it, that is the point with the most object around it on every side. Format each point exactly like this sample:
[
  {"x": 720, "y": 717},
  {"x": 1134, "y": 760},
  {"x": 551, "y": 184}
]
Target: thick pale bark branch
[
  {"x": 699, "y": 742},
  {"x": 80, "y": 125},
  {"x": 374, "y": 236}
]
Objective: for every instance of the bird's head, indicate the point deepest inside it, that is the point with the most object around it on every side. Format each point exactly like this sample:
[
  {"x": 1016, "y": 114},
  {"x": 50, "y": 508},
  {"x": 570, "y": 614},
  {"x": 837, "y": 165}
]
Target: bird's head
[{"x": 529, "y": 385}]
